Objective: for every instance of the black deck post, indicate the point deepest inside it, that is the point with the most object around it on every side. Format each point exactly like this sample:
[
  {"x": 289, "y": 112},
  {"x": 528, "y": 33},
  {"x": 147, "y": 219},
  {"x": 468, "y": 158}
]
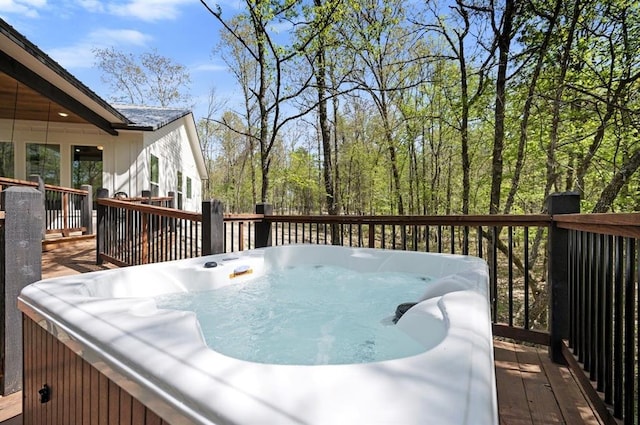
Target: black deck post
[
  {"x": 86, "y": 210},
  {"x": 21, "y": 256},
  {"x": 212, "y": 227},
  {"x": 146, "y": 194},
  {"x": 558, "y": 273},
  {"x": 101, "y": 224},
  {"x": 263, "y": 228}
]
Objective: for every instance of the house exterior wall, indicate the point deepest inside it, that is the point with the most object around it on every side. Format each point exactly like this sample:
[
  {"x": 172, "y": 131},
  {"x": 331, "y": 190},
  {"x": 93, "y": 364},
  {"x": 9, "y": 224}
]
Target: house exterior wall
[
  {"x": 170, "y": 145},
  {"x": 65, "y": 135},
  {"x": 121, "y": 166},
  {"x": 125, "y": 158}
]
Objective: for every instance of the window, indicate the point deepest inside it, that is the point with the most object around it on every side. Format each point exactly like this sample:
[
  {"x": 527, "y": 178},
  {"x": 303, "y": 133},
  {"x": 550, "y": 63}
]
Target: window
[
  {"x": 179, "y": 190},
  {"x": 86, "y": 166},
  {"x": 44, "y": 160},
  {"x": 154, "y": 175},
  {"x": 6, "y": 159},
  {"x": 188, "y": 187}
]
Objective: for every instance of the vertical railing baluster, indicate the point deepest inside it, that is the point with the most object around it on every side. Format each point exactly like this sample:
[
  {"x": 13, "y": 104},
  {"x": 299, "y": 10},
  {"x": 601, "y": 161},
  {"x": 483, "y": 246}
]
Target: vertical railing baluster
[
  {"x": 599, "y": 340},
  {"x": 618, "y": 328},
  {"x": 427, "y": 237},
  {"x": 510, "y": 272},
  {"x": 465, "y": 240},
  {"x": 629, "y": 330},
  {"x": 403, "y": 228},
  {"x": 608, "y": 325},
  {"x": 452, "y": 233},
  {"x": 588, "y": 358},
  {"x": 573, "y": 258},
  {"x": 393, "y": 236},
  {"x": 527, "y": 325},
  {"x": 494, "y": 273},
  {"x": 593, "y": 309}
]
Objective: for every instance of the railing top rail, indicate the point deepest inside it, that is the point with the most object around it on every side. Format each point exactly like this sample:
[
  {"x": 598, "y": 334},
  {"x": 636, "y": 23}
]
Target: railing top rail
[
  {"x": 16, "y": 182},
  {"x": 615, "y": 224},
  {"x": 453, "y": 220},
  {"x": 243, "y": 217},
  {"x": 65, "y": 189},
  {"x": 146, "y": 199},
  {"x": 151, "y": 209}
]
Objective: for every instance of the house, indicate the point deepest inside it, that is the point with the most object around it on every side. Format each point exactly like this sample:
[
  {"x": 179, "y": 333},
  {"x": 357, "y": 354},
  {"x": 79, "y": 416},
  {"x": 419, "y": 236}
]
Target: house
[{"x": 53, "y": 125}]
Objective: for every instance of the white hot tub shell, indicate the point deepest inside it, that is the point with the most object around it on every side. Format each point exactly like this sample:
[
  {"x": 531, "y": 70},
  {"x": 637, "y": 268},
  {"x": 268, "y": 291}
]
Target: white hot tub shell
[{"x": 110, "y": 319}]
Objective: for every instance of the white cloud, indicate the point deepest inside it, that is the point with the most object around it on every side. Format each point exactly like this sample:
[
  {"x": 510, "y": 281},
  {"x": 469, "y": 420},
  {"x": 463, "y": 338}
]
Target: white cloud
[
  {"x": 108, "y": 37},
  {"x": 149, "y": 10},
  {"x": 92, "y": 5},
  {"x": 209, "y": 67},
  {"x": 27, "y": 8},
  {"x": 80, "y": 55}
]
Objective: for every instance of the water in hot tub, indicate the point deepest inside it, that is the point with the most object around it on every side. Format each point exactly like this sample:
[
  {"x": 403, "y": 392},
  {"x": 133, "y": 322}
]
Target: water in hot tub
[{"x": 306, "y": 315}]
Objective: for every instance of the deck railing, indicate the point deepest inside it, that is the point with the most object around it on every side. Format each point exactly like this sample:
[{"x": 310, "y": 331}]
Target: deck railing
[
  {"x": 570, "y": 281},
  {"x": 604, "y": 276},
  {"x": 67, "y": 210},
  {"x": 133, "y": 233}
]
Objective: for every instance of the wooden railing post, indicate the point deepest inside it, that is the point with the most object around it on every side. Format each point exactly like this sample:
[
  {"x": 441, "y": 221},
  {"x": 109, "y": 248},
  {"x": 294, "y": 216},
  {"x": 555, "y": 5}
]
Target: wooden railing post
[
  {"x": 66, "y": 225},
  {"x": 21, "y": 255},
  {"x": 558, "y": 272},
  {"x": 101, "y": 225},
  {"x": 37, "y": 179},
  {"x": 212, "y": 227},
  {"x": 263, "y": 228},
  {"x": 86, "y": 210}
]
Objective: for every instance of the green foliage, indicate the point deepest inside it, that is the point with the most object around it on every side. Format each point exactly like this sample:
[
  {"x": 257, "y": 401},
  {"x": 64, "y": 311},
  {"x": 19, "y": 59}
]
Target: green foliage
[{"x": 397, "y": 125}]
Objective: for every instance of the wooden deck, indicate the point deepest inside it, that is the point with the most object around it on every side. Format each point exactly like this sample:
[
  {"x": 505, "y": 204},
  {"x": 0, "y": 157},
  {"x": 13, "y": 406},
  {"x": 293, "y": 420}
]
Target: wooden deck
[{"x": 531, "y": 389}]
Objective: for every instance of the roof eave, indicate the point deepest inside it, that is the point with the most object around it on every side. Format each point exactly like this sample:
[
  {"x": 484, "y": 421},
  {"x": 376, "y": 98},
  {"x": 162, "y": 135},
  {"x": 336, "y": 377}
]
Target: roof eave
[{"x": 28, "y": 62}]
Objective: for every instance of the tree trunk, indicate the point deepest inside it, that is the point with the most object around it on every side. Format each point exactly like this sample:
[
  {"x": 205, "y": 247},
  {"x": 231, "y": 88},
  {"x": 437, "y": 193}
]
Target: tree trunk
[
  {"x": 504, "y": 43},
  {"x": 552, "y": 173},
  {"x": 621, "y": 178},
  {"x": 526, "y": 112}
]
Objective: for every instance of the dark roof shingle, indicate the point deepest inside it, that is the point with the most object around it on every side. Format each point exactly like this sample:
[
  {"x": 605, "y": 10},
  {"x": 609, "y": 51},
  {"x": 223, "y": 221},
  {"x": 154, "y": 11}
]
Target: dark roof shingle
[{"x": 149, "y": 117}]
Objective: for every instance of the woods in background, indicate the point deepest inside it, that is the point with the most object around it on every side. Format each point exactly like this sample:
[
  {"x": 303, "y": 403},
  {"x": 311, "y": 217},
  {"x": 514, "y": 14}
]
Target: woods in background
[{"x": 402, "y": 107}]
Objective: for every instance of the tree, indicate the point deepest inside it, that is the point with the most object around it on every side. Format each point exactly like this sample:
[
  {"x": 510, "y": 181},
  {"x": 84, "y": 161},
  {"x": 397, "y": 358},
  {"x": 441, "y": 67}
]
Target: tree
[
  {"x": 254, "y": 32},
  {"x": 148, "y": 79},
  {"x": 456, "y": 30},
  {"x": 378, "y": 34}
]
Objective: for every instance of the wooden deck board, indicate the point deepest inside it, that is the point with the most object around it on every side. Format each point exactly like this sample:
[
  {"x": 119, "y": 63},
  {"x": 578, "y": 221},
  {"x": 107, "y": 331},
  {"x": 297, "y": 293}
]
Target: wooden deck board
[
  {"x": 572, "y": 402},
  {"x": 540, "y": 396},
  {"x": 513, "y": 406},
  {"x": 10, "y": 406}
]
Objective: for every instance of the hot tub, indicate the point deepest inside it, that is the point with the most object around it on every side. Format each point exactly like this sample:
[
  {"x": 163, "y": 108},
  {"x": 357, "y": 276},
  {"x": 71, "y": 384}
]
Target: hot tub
[{"x": 159, "y": 357}]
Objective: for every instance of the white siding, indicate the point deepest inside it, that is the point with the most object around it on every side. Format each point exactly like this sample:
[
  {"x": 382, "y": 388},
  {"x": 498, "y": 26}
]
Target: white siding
[
  {"x": 125, "y": 158},
  {"x": 171, "y": 145}
]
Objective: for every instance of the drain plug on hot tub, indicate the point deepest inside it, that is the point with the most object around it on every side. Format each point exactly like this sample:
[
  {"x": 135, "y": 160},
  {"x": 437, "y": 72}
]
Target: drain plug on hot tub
[{"x": 45, "y": 393}]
